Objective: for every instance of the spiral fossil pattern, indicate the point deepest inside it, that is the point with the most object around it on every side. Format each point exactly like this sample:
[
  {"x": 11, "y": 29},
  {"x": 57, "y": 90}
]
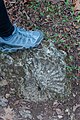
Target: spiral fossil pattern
[{"x": 45, "y": 72}]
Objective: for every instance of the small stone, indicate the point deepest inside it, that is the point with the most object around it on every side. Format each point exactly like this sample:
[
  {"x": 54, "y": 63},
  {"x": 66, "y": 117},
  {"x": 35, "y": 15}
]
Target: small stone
[
  {"x": 68, "y": 111},
  {"x": 7, "y": 95},
  {"x": 55, "y": 102},
  {"x": 74, "y": 95}
]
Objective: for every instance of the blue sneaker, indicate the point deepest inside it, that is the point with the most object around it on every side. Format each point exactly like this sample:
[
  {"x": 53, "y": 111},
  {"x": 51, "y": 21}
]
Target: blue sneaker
[{"x": 21, "y": 39}]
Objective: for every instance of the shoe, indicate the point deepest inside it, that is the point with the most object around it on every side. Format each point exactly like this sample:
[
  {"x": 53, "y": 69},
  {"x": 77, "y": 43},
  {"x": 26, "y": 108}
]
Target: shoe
[{"x": 20, "y": 39}]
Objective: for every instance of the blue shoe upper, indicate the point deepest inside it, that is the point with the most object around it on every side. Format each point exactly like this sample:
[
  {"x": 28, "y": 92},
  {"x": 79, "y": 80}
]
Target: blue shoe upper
[{"x": 20, "y": 39}]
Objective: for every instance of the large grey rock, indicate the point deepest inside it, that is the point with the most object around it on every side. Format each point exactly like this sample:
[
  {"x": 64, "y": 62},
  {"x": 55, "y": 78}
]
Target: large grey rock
[{"x": 38, "y": 74}]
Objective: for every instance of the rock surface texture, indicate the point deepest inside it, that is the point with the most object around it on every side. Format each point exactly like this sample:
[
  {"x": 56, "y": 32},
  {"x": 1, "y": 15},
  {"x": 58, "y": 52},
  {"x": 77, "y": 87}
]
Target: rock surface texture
[{"x": 37, "y": 74}]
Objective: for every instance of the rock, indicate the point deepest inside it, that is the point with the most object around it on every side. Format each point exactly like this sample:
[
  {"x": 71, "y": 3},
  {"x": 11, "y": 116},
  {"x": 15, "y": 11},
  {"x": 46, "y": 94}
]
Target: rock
[
  {"x": 38, "y": 74},
  {"x": 60, "y": 116},
  {"x": 7, "y": 95},
  {"x": 45, "y": 73}
]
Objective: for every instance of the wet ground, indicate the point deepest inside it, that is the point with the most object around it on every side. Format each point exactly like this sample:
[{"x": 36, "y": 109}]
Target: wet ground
[{"x": 59, "y": 25}]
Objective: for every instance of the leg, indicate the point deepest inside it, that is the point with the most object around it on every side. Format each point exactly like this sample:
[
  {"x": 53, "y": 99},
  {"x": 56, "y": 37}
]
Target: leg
[
  {"x": 6, "y": 28},
  {"x": 13, "y": 38}
]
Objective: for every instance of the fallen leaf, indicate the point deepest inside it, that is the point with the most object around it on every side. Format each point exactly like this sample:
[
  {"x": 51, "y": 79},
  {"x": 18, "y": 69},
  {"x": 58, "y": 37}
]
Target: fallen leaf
[
  {"x": 9, "y": 114},
  {"x": 76, "y": 4}
]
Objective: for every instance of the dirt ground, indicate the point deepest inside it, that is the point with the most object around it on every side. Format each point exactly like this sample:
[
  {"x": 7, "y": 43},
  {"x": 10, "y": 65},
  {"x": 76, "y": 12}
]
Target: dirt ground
[{"x": 59, "y": 24}]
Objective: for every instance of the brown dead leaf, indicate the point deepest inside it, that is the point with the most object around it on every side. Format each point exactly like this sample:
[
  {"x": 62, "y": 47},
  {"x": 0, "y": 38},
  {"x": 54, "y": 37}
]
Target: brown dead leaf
[
  {"x": 26, "y": 1},
  {"x": 9, "y": 114},
  {"x": 54, "y": 1},
  {"x": 76, "y": 4}
]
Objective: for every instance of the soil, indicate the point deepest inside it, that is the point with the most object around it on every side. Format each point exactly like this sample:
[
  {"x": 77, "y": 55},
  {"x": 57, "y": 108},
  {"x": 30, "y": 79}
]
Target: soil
[{"x": 59, "y": 24}]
